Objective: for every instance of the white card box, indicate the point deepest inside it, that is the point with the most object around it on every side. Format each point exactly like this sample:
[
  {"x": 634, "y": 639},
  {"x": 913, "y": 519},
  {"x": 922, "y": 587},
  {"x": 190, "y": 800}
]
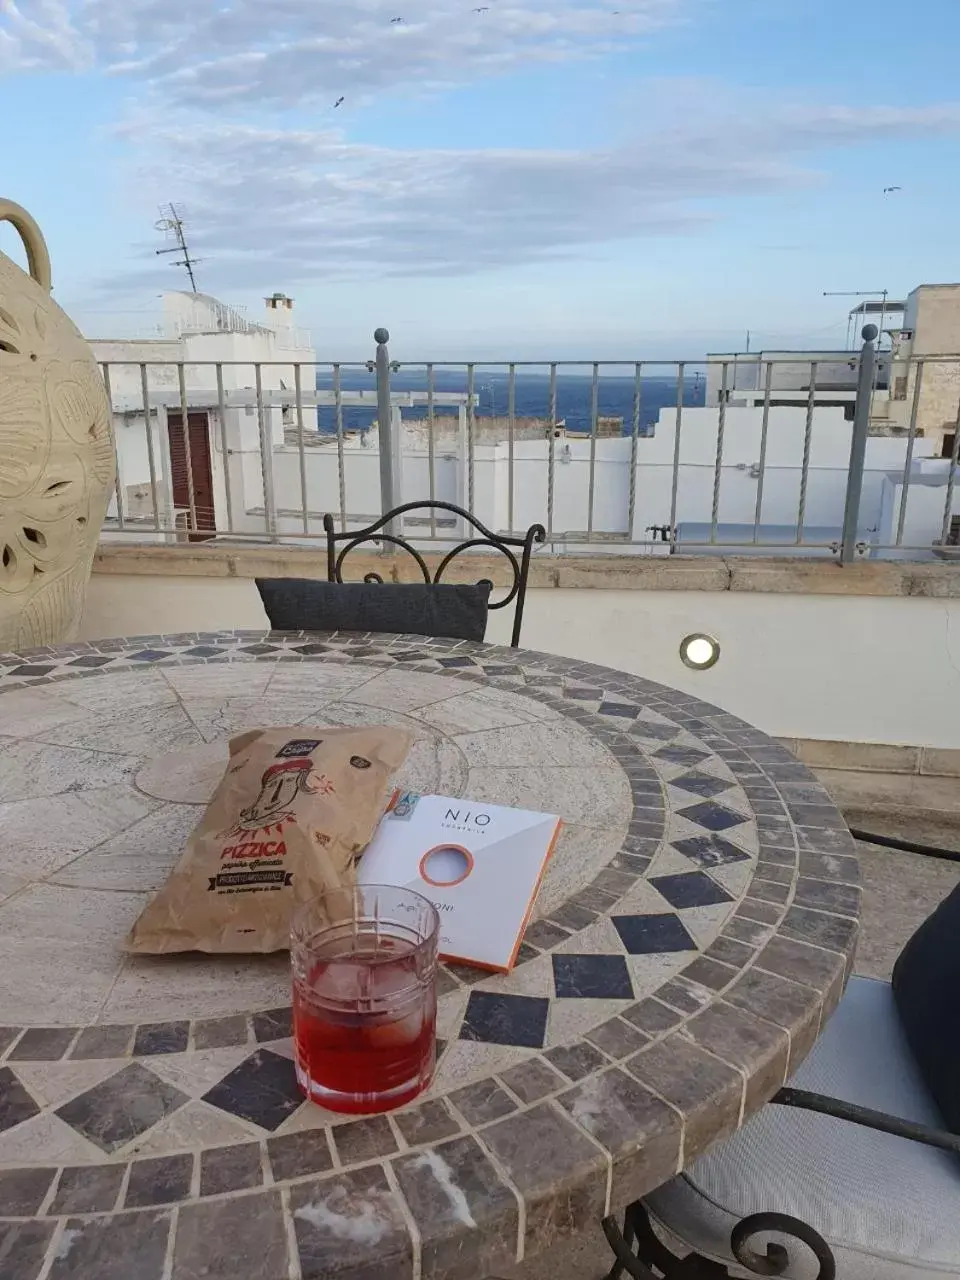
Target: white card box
[{"x": 480, "y": 864}]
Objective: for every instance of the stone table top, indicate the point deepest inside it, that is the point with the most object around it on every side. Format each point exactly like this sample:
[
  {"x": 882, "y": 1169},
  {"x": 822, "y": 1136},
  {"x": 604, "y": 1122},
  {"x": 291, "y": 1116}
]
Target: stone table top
[{"x": 695, "y": 926}]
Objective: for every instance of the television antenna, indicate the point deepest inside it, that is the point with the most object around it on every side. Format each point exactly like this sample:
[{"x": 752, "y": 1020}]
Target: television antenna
[
  {"x": 860, "y": 293},
  {"x": 172, "y": 224}
]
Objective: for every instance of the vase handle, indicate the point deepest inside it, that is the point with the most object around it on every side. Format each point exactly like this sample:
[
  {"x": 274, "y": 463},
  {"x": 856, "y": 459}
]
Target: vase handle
[{"x": 38, "y": 259}]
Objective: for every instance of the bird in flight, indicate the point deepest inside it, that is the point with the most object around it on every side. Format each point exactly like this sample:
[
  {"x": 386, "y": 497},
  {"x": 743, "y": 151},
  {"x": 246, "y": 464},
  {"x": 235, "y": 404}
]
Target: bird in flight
[
  {"x": 887, "y": 190},
  {"x": 338, "y": 102},
  {"x": 395, "y": 21}
]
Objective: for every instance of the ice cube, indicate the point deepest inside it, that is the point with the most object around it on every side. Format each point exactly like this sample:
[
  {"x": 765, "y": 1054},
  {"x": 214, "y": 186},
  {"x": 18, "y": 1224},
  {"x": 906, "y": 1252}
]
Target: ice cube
[
  {"x": 343, "y": 981},
  {"x": 395, "y": 1033},
  {"x": 390, "y": 980}
]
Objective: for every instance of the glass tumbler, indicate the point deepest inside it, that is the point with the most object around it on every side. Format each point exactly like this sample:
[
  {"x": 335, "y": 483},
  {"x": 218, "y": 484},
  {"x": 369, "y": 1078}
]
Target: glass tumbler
[{"x": 365, "y": 997}]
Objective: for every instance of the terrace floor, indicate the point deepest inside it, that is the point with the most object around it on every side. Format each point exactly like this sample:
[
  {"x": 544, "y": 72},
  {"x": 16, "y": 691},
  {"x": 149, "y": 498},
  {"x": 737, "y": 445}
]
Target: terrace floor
[{"x": 899, "y": 891}]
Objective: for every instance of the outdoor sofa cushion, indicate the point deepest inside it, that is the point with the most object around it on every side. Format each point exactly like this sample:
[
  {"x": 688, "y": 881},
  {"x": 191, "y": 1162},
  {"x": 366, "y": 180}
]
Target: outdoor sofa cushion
[
  {"x": 888, "y": 1208},
  {"x": 926, "y": 988}
]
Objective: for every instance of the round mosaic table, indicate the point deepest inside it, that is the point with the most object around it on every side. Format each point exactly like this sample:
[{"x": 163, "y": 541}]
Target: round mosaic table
[{"x": 694, "y": 928}]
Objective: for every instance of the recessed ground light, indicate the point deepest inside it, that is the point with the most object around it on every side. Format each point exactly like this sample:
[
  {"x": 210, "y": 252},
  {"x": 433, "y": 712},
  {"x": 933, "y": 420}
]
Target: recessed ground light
[{"x": 699, "y": 651}]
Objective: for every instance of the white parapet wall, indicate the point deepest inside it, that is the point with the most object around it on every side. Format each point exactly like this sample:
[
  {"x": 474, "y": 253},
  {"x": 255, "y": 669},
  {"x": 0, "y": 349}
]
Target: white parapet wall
[
  {"x": 865, "y": 654},
  {"x": 577, "y": 461},
  {"x": 788, "y": 477}
]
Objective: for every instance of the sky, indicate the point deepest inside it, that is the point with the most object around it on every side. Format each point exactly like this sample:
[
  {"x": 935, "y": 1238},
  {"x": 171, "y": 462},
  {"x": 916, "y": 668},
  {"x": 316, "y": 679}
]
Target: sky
[{"x": 543, "y": 179}]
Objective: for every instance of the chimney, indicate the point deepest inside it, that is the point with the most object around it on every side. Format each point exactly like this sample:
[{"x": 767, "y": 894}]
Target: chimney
[{"x": 279, "y": 302}]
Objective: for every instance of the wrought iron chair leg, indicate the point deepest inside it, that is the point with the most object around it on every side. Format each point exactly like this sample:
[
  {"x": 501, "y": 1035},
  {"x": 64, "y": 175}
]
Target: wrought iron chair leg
[
  {"x": 621, "y": 1242},
  {"x": 775, "y": 1259},
  {"x": 629, "y": 1238},
  {"x": 642, "y": 1255}
]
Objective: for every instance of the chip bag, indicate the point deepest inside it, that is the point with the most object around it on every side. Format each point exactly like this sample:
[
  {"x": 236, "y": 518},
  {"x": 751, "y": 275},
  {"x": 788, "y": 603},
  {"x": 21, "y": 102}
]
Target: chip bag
[{"x": 293, "y": 810}]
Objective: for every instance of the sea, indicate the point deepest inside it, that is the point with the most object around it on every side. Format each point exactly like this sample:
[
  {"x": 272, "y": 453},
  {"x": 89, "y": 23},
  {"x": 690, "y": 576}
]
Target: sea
[{"x": 532, "y": 396}]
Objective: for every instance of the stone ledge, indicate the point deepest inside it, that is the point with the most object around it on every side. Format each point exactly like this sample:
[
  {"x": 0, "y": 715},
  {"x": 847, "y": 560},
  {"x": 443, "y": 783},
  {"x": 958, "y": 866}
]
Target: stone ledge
[
  {"x": 620, "y": 573},
  {"x": 876, "y": 757}
]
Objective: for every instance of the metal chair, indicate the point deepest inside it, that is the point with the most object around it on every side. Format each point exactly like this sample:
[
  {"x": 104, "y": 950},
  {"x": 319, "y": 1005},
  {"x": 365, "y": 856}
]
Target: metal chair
[
  {"x": 816, "y": 1186},
  {"x": 374, "y": 533}
]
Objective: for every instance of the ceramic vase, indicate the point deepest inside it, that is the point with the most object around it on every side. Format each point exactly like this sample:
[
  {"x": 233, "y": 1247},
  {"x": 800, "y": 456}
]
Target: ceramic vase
[{"x": 57, "y": 461}]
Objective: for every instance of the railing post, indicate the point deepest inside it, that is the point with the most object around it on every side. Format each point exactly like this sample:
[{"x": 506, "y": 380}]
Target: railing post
[
  {"x": 389, "y": 436},
  {"x": 858, "y": 443},
  {"x": 169, "y": 516}
]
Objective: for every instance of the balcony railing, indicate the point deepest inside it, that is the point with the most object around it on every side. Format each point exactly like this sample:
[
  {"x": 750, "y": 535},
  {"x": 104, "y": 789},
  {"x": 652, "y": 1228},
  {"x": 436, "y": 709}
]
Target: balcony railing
[{"x": 609, "y": 456}]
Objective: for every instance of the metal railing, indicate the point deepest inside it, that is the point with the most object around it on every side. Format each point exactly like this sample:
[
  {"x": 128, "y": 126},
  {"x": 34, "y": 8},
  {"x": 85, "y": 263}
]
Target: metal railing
[{"x": 644, "y": 456}]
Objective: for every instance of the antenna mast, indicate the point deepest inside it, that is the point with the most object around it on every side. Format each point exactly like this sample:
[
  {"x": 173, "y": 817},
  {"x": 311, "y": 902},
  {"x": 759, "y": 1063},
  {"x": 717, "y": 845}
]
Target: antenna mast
[
  {"x": 171, "y": 222},
  {"x": 860, "y": 293}
]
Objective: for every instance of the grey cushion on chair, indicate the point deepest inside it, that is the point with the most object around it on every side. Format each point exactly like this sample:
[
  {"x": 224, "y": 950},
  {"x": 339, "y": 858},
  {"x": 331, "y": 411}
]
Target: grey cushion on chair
[
  {"x": 889, "y": 1209},
  {"x": 426, "y": 609}
]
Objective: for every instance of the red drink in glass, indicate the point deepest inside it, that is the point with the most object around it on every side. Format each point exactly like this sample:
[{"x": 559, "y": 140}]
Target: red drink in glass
[{"x": 364, "y": 998}]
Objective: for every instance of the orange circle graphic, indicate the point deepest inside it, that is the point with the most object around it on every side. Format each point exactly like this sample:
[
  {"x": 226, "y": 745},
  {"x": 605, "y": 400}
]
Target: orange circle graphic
[{"x": 439, "y": 848}]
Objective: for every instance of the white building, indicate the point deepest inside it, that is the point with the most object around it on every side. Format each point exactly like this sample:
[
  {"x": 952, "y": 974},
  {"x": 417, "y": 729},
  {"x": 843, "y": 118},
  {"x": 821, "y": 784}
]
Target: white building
[
  {"x": 740, "y": 378},
  {"x": 930, "y": 337},
  {"x": 225, "y": 431}
]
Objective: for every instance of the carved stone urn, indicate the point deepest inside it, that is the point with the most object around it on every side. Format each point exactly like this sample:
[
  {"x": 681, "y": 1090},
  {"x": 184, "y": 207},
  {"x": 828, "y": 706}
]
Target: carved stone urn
[{"x": 57, "y": 462}]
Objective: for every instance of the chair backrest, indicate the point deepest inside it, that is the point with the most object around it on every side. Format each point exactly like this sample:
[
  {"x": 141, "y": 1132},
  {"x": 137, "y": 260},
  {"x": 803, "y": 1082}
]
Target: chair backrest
[{"x": 374, "y": 533}]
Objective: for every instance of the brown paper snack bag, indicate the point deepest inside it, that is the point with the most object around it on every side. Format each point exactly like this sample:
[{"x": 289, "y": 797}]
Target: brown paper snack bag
[{"x": 290, "y": 815}]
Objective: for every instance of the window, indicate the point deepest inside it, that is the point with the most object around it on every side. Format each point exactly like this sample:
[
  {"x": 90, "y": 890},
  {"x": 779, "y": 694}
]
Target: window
[
  {"x": 946, "y": 449},
  {"x": 900, "y": 388}
]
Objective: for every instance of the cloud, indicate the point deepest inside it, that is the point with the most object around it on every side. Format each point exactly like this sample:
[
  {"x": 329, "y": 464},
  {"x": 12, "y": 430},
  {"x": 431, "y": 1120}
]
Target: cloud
[
  {"x": 269, "y": 206},
  {"x": 39, "y": 35},
  {"x": 214, "y": 88},
  {"x": 301, "y": 53}
]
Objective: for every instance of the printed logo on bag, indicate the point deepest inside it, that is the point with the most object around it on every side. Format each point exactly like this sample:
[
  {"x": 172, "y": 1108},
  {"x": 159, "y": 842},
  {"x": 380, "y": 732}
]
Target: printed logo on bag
[
  {"x": 240, "y": 881},
  {"x": 360, "y": 762},
  {"x": 298, "y": 747},
  {"x": 280, "y": 786},
  {"x": 403, "y": 805}
]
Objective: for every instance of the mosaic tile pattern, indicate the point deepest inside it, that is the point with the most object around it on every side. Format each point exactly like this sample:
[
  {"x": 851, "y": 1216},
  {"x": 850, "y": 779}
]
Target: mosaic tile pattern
[{"x": 695, "y": 926}]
